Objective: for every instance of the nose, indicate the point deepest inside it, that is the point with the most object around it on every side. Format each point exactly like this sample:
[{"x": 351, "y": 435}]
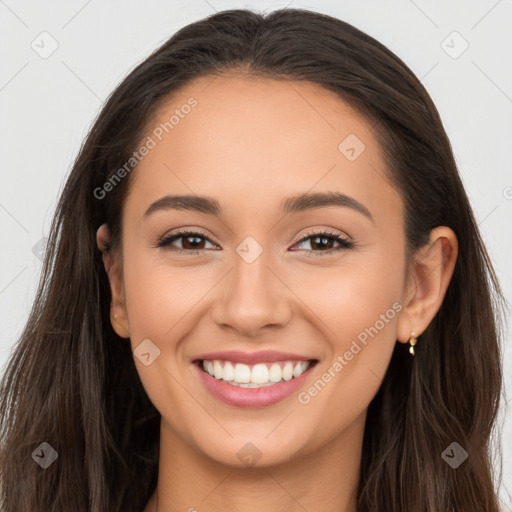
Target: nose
[{"x": 252, "y": 297}]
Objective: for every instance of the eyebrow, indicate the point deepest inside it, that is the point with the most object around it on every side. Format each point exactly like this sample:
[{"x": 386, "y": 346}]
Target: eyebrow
[{"x": 295, "y": 204}]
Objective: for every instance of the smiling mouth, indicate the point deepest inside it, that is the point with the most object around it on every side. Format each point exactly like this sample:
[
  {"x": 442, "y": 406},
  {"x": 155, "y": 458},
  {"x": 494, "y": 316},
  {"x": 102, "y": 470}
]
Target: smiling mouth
[{"x": 255, "y": 375}]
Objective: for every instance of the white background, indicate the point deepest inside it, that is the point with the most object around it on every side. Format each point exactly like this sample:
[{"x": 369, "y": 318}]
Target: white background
[{"x": 47, "y": 106}]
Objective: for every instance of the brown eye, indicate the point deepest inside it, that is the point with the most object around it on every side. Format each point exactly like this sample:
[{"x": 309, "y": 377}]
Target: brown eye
[
  {"x": 193, "y": 242},
  {"x": 322, "y": 243}
]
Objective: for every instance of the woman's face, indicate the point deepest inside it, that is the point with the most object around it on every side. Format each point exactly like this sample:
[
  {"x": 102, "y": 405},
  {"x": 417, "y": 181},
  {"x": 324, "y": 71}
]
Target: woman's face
[{"x": 243, "y": 151}]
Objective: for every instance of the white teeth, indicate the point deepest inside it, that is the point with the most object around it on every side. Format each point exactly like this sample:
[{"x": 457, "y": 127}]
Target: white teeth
[
  {"x": 255, "y": 376},
  {"x": 259, "y": 374},
  {"x": 242, "y": 373},
  {"x": 275, "y": 373},
  {"x": 217, "y": 370},
  {"x": 300, "y": 368},
  {"x": 228, "y": 372},
  {"x": 250, "y": 384},
  {"x": 288, "y": 371}
]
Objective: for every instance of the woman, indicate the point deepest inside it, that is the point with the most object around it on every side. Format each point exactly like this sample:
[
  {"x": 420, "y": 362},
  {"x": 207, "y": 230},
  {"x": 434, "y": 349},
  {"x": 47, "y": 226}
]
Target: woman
[{"x": 264, "y": 289}]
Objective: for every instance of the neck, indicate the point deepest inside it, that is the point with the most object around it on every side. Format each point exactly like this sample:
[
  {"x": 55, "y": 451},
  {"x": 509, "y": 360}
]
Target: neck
[{"x": 324, "y": 479}]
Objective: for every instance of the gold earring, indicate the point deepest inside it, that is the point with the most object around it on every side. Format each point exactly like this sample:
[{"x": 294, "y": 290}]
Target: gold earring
[
  {"x": 412, "y": 340},
  {"x": 113, "y": 320}
]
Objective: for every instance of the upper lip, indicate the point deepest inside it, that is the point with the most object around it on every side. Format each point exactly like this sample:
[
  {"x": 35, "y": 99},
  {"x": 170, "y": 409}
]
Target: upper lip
[{"x": 252, "y": 357}]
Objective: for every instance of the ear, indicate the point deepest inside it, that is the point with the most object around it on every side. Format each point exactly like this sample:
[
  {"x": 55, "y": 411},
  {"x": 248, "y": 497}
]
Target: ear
[
  {"x": 427, "y": 282},
  {"x": 112, "y": 262}
]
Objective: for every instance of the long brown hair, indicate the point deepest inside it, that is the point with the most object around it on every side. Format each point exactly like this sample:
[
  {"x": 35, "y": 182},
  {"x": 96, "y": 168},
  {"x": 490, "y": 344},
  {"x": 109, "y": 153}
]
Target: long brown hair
[{"x": 71, "y": 381}]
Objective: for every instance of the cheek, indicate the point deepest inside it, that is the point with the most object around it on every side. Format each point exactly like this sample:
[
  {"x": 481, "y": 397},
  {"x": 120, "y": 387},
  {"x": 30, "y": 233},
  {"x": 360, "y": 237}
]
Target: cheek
[
  {"x": 160, "y": 303},
  {"x": 158, "y": 295},
  {"x": 348, "y": 298},
  {"x": 352, "y": 297},
  {"x": 359, "y": 311},
  {"x": 358, "y": 305}
]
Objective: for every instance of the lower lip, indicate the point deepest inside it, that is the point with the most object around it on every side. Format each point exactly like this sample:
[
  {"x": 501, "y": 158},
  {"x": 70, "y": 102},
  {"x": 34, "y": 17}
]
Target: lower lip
[{"x": 252, "y": 397}]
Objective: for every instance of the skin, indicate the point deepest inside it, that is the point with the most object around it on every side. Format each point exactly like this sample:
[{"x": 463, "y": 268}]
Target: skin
[{"x": 250, "y": 143}]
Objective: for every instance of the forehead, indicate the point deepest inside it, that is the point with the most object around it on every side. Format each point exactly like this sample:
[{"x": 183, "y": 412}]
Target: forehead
[{"x": 250, "y": 140}]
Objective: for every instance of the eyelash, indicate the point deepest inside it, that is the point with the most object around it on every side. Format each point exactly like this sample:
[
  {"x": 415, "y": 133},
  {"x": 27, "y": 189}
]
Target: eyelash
[{"x": 343, "y": 242}]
